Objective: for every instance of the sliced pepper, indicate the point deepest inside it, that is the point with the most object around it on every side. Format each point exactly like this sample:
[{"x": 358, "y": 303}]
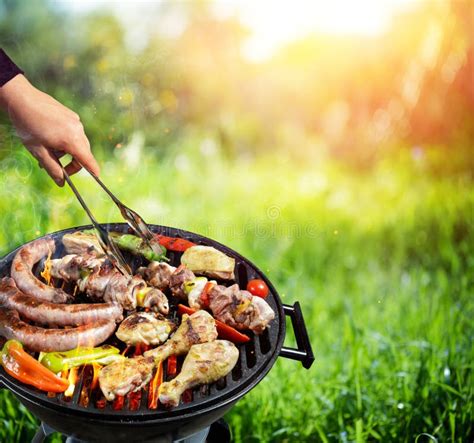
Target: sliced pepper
[
  {"x": 204, "y": 297},
  {"x": 22, "y": 366},
  {"x": 58, "y": 361},
  {"x": 135, "y": 245},
  {"x": 173, "y": 243},
  {"x": 225, "y": 331}
]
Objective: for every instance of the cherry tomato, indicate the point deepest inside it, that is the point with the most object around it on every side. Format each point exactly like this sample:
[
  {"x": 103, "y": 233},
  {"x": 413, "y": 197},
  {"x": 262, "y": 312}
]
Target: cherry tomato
[{"x": 257, "y": 287}]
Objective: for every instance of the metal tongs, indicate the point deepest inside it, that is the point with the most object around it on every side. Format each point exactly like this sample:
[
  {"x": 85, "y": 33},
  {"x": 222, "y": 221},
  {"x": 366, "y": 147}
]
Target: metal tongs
[{"x": 132, "y": 218}]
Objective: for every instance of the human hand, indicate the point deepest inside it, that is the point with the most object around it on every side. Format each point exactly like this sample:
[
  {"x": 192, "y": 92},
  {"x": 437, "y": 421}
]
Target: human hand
[{"x": 48, "y": 129}]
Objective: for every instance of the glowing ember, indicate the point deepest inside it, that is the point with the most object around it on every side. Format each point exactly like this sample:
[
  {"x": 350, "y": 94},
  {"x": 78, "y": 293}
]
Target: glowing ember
[
  {"x": 134, "y": 399},
  {"x": 154, "y": 385},
  {"x": 118, "y": 403},
  {"x": 172, "y": 366},
  {"x": 72, "y": 378},
  {"x": 101, "y": 403}
]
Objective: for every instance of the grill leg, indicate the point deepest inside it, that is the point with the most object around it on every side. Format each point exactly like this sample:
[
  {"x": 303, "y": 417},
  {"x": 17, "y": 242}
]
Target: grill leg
[
  {"x": 198, "y": 437},
  {"x": 42, "y": 432}
]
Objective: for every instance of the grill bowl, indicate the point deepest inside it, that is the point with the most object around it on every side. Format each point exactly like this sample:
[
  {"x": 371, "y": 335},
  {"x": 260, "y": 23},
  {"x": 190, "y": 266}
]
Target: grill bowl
[{"x": 207, "y": 405}]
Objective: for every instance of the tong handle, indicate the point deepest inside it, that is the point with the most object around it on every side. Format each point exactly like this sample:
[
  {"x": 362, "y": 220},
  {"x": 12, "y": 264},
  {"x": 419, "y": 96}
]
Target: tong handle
[
  {"x": 134, "y": 220},
  {"x": 106, "y": 243},
  {"x": 304, "y": 352}
]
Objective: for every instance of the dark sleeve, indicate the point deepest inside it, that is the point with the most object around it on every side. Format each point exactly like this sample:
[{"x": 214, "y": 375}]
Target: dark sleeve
[{"x": 8, "y": 69}]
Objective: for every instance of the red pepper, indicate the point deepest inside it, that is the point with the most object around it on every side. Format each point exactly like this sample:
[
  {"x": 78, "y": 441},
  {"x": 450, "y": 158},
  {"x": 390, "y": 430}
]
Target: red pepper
[
  {"x": 174, "y": 244},
  {"x": 225, "y": 331},
  {"x": 204, "y": 297},
  {"x": 22, "y": 366}
]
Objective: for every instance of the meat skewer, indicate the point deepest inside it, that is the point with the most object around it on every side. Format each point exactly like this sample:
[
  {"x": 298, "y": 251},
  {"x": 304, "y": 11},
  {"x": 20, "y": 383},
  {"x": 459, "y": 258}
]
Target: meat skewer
[
  {"x": 205, "y": 363},
  {"x": 54, "y": 314},
  {"x": 46, "y": 340},
  {"x": 231, "y": 305},
  {"x": 130, "y": 375},
  {"x": 101, "y": 281},
  {"x": 21, "y": 271},
  {"x": 240, "y": 309}
]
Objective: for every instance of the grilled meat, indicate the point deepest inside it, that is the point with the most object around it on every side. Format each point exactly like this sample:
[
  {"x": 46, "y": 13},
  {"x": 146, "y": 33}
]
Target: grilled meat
[
  {"x": 206, "y": 260},
  {"x": 239, "y": 309},
  {"x": 177, "y": 281},
  {"x": 73, "y": 267},
  {"x": 81, "y": 243},
  {"x": 157, "y": 274},
  {"x": 205, "y": 363},
  {"x": 55, "y": 314},
  {"x": 40, "y": 339},
  {"x": 145, "y": 328},
  {"x": 235, "y": 307},
  {"x": 101, "y": 281},
  {"x": 21, "y": 271},
  {"x": 194, "y": 290},
  {"x": 130, "y": 375},
  {"x": 125, "y": 376},
  {"x": 199, "y": 327}
]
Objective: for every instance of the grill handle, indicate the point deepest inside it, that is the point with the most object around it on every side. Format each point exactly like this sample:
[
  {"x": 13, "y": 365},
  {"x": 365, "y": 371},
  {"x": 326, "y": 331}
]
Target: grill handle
[{"x": 304, "y": 352}]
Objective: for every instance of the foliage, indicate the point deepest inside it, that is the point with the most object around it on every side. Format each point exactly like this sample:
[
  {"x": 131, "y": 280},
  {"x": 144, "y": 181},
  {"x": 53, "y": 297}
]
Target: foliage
[{"x": 382, "y": 266}]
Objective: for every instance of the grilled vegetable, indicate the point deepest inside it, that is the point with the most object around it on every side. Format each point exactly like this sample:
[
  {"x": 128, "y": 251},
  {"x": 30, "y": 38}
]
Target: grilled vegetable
[
  {"x": 135, "y": 245},
  {"x": 204, "y": 297},
  {"x": 59, "y": 361},
  {"x": 258, "y": 288},
  {"x": 174, "y": 244},
  {"x": 209, "y": 261},
  {"x": 22, "y": 366},
  {"x": 225, "y": 331}
]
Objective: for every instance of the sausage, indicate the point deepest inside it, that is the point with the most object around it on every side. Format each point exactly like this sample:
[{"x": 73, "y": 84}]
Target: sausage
[
  {"x": 48, "y": 340},
  {"x": 21, "y": 271},
  {"x": 54, "y": 314}
]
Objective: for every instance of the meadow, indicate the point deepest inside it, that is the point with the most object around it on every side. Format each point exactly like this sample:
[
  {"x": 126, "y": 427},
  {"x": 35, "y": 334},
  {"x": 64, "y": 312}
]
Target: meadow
[{"x": 381, "y": 261}]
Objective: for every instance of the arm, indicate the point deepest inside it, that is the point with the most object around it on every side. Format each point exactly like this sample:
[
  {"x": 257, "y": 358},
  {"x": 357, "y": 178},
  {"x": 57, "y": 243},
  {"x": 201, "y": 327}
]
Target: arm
[{"x": 46, "y": 127}]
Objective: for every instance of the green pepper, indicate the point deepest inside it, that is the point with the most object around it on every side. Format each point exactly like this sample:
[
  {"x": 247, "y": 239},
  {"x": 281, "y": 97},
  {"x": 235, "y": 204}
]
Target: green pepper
[
  {"x": 59, "y": 361},
  {"x": 135, "y": 245}
]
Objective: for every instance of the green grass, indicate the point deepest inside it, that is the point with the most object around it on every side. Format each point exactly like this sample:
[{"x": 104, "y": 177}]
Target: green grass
[{"x": 382, "y": 264}]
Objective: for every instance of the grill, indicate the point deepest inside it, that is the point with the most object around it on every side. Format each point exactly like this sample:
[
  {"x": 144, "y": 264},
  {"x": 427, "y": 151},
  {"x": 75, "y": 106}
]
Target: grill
[{"x": 87, "y": 416}]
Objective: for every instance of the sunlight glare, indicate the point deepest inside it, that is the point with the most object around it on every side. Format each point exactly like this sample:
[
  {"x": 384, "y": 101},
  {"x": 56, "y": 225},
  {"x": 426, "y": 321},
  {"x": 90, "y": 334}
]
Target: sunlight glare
[{"x": 275, "y": 23}]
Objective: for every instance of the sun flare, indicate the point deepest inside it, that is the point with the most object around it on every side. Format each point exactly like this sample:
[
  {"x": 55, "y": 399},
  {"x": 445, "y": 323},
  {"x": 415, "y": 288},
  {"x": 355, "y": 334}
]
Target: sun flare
[{"x": 275, "y": 23}]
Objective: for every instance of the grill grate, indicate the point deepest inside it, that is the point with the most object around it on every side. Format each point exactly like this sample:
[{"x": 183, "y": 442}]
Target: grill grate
[{"x": 254, "y": 355}]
